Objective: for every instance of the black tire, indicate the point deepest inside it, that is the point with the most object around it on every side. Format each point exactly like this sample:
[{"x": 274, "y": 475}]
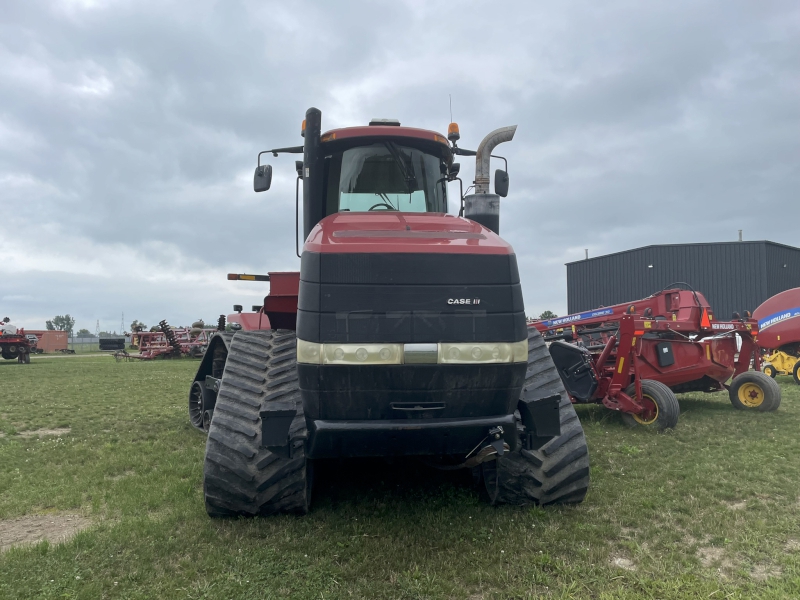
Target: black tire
[
  {"x": 241, "y": 477},
  {"x": 667, "y": 409},
  {"x": 796, "y": 372},
  {"x": 754, "y": 390},
  {"x": 769, "y": 370},
  {"x": 201, "y": 400},
  {"x": 557, "y": 472}
]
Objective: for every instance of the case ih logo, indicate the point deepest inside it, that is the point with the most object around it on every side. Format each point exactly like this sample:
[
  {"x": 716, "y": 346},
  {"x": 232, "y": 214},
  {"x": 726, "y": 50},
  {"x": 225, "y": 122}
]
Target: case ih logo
[{"x": 463, "y": 300}]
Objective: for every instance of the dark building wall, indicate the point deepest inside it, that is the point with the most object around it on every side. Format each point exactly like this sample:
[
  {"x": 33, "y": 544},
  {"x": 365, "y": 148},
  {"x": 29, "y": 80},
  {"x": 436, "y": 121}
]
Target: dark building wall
[
  {"x": 780, "y": 277},
  {"x": 733, "y": 276}
]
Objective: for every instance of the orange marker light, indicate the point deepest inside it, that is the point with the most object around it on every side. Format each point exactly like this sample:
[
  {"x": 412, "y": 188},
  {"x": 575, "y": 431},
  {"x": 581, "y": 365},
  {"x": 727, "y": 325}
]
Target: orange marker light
[
  {"x": 452, "y": 132},
  {"x": 303, "y": 129}
]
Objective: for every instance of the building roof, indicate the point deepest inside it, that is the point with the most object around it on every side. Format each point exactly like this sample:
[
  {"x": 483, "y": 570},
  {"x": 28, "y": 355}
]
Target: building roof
[{"x": 583, "y": 260}]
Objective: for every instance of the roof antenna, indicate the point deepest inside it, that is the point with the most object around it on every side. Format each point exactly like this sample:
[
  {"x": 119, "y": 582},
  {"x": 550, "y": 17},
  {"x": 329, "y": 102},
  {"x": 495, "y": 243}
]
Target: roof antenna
[{"x": 451, "y": 107}]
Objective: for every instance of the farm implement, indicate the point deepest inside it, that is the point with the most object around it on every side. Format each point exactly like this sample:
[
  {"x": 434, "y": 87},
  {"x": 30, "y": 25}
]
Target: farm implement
[
  {"x": 14, "y": 344},
  {"x": 779, "y": 337},
  {"x": 634, "y": 357},
  {"x": 167, "y": 342}
]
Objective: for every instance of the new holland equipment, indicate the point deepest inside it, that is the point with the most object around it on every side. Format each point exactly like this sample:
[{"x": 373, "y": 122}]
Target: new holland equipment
[
  {"x": 779, "y": 326},
  {"x": 403, "y": 334},
  {"x": 634, "y": 357}
]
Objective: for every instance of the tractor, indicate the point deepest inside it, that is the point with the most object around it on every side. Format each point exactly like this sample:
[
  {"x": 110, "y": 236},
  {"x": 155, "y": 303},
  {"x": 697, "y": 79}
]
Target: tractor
[{"x": 402, "y": 335}]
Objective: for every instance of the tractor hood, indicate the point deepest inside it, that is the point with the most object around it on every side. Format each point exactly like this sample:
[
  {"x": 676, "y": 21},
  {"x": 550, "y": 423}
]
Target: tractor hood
[{"x": 390, "y": 232}]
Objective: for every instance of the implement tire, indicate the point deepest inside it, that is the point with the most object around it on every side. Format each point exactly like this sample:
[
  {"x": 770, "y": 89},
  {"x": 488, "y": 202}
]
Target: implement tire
[
  {"x": 665, "y": 408},
  {"x": 796, "y": 372},
  {"x": 769, "y": 370},
  {"x": 557, "y": 472},
  {"x": 754, "y": 390},
  {"x": 239, "y": 476}
]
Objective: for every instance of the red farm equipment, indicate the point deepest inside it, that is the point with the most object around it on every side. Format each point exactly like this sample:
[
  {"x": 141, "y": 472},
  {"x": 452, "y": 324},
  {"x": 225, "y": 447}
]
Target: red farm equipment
[
  {"x": 14, "y": 344},
  {"x": 779, "y": 334},
  {"x": 634, "y": 357},
  {"x": 403, "y": 334},
  {"x": 168, "y": 342}
]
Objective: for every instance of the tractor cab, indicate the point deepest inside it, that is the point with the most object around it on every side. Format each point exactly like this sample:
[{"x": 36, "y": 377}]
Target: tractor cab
[{"x": 369, "y": 169}]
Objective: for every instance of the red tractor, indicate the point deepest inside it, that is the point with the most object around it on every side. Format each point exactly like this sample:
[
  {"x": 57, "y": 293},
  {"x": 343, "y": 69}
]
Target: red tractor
[
  {"x": 14, "y": 344},
  {"x": 403, "y": 334},
  {"x": 634, "y": 357}
]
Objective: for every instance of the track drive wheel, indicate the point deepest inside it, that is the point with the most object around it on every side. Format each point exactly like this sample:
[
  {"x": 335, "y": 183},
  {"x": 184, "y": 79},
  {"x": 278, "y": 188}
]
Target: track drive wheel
[
  {"x": 241, "y": 477},
  {"x": 555, "y": 472},
  {"x": 754, "y": 390},
  {"x": 796, "y": 372},
  {"x": 661, "y": 408},
  {"x": 769, "y": 370}
]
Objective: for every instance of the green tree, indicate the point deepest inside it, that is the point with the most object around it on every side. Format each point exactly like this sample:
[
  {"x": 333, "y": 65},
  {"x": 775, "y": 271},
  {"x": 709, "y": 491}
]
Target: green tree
[
  {"x": 84, "y": 333},
  {"x": 61, "y": 323},
  {"x": 548, "y": 314},
  {"x": 138, "y": 326}
]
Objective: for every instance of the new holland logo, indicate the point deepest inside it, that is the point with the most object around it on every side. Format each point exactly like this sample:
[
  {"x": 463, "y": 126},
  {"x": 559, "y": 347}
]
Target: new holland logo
[{"x": 463, "y": 300}]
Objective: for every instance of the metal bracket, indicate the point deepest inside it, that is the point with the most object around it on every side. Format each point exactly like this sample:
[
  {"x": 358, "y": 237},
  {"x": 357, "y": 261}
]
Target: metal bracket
[{"x": 276, "y": 419}]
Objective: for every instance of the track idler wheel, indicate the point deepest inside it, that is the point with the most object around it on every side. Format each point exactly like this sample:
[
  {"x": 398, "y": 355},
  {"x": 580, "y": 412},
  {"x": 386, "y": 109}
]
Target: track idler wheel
[
  {"x": 754, "y": 390},
  {"x": 661, "y": 408},
  {"x": 201, "y": 401}
]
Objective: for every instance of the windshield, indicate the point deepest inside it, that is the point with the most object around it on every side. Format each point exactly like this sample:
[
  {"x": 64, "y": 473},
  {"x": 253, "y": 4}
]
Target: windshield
[{"x": 385, "y": 177}]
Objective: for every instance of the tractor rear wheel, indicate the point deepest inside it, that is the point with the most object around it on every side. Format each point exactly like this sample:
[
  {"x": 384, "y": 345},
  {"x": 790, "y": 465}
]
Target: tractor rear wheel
[
  {"x": 241, "y": 477},
  {"x": 769, "y": 370},
  {"x": 661, "y": 408},
  {"x": 555, "y": 472},
  {"x": 754, "y": 390}
]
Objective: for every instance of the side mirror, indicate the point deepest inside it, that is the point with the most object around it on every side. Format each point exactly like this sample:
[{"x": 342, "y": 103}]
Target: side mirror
[
  {"x": 501, "y": 183},
  {"x": 454, "y": 169},
  {"x": 263, "y": 178}
]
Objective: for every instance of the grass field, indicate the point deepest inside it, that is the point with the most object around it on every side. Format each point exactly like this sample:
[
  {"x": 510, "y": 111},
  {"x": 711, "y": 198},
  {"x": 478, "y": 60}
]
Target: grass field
[{"x": 710, "y": 510}]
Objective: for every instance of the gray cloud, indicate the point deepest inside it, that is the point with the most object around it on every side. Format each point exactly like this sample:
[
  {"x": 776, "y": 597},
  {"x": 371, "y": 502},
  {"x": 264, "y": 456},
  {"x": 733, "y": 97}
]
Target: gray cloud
[{"x": 128, "y": 133}]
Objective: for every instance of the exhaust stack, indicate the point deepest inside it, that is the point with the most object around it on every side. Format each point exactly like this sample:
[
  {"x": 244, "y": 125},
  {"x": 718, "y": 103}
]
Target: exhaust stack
[
  {"x": 483, "y": 156},
  {"x": 483, "y": 207}
]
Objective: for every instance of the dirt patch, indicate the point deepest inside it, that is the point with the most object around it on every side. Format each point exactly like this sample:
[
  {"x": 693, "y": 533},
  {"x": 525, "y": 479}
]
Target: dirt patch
[
  {"x": 623, "y": 563},
  {"x": 764, "y": 572},
  {"x": 741, "y": 505},
  {"x": 41, "y": 432},
  {"x": 713, "y": 557},
  {"x": 792, "y": 545},
  {"x": 36, "y": 528},
  {"x": 123, "y": 475}
]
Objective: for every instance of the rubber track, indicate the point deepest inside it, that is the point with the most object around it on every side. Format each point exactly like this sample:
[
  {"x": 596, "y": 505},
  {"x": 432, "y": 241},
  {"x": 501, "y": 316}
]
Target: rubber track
[
  {"x": 558, "y": 471},
  {"x": 240, "y": 477}
]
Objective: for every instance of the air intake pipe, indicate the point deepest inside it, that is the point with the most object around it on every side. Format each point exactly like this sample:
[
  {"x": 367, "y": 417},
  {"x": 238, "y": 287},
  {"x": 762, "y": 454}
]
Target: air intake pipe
[{"x": 483, "y": 207}]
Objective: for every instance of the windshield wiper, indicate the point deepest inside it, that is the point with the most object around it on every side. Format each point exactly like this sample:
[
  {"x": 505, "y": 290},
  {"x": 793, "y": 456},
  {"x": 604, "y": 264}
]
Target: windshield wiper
[
  {"x": 383, "y": 196},
  {"x": 408, "y": 179}
]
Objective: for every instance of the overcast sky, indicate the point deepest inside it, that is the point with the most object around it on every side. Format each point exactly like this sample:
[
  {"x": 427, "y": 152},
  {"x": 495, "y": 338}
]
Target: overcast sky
[{"x": 129, "y": 131}]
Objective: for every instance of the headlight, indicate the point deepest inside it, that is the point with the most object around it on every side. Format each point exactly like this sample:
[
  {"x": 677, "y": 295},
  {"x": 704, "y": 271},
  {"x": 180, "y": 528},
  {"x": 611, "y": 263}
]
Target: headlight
[{"x": 398, "y": 354}]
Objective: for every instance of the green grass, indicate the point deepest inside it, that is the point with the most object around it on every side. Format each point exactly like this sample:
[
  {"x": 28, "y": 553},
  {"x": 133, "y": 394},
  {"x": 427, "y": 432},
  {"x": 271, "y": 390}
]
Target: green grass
[{"x": 710, "y": 510}]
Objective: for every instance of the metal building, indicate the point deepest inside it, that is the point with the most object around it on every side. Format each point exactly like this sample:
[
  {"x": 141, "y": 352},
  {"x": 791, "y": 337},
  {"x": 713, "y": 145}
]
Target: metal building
[{"x": 733, "y": 276}]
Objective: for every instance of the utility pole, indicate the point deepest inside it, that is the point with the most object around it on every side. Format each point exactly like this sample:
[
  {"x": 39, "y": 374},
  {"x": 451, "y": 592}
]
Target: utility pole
[
  {"x": 122, "y": 324},
  {"x": 97, "y": 329}
]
